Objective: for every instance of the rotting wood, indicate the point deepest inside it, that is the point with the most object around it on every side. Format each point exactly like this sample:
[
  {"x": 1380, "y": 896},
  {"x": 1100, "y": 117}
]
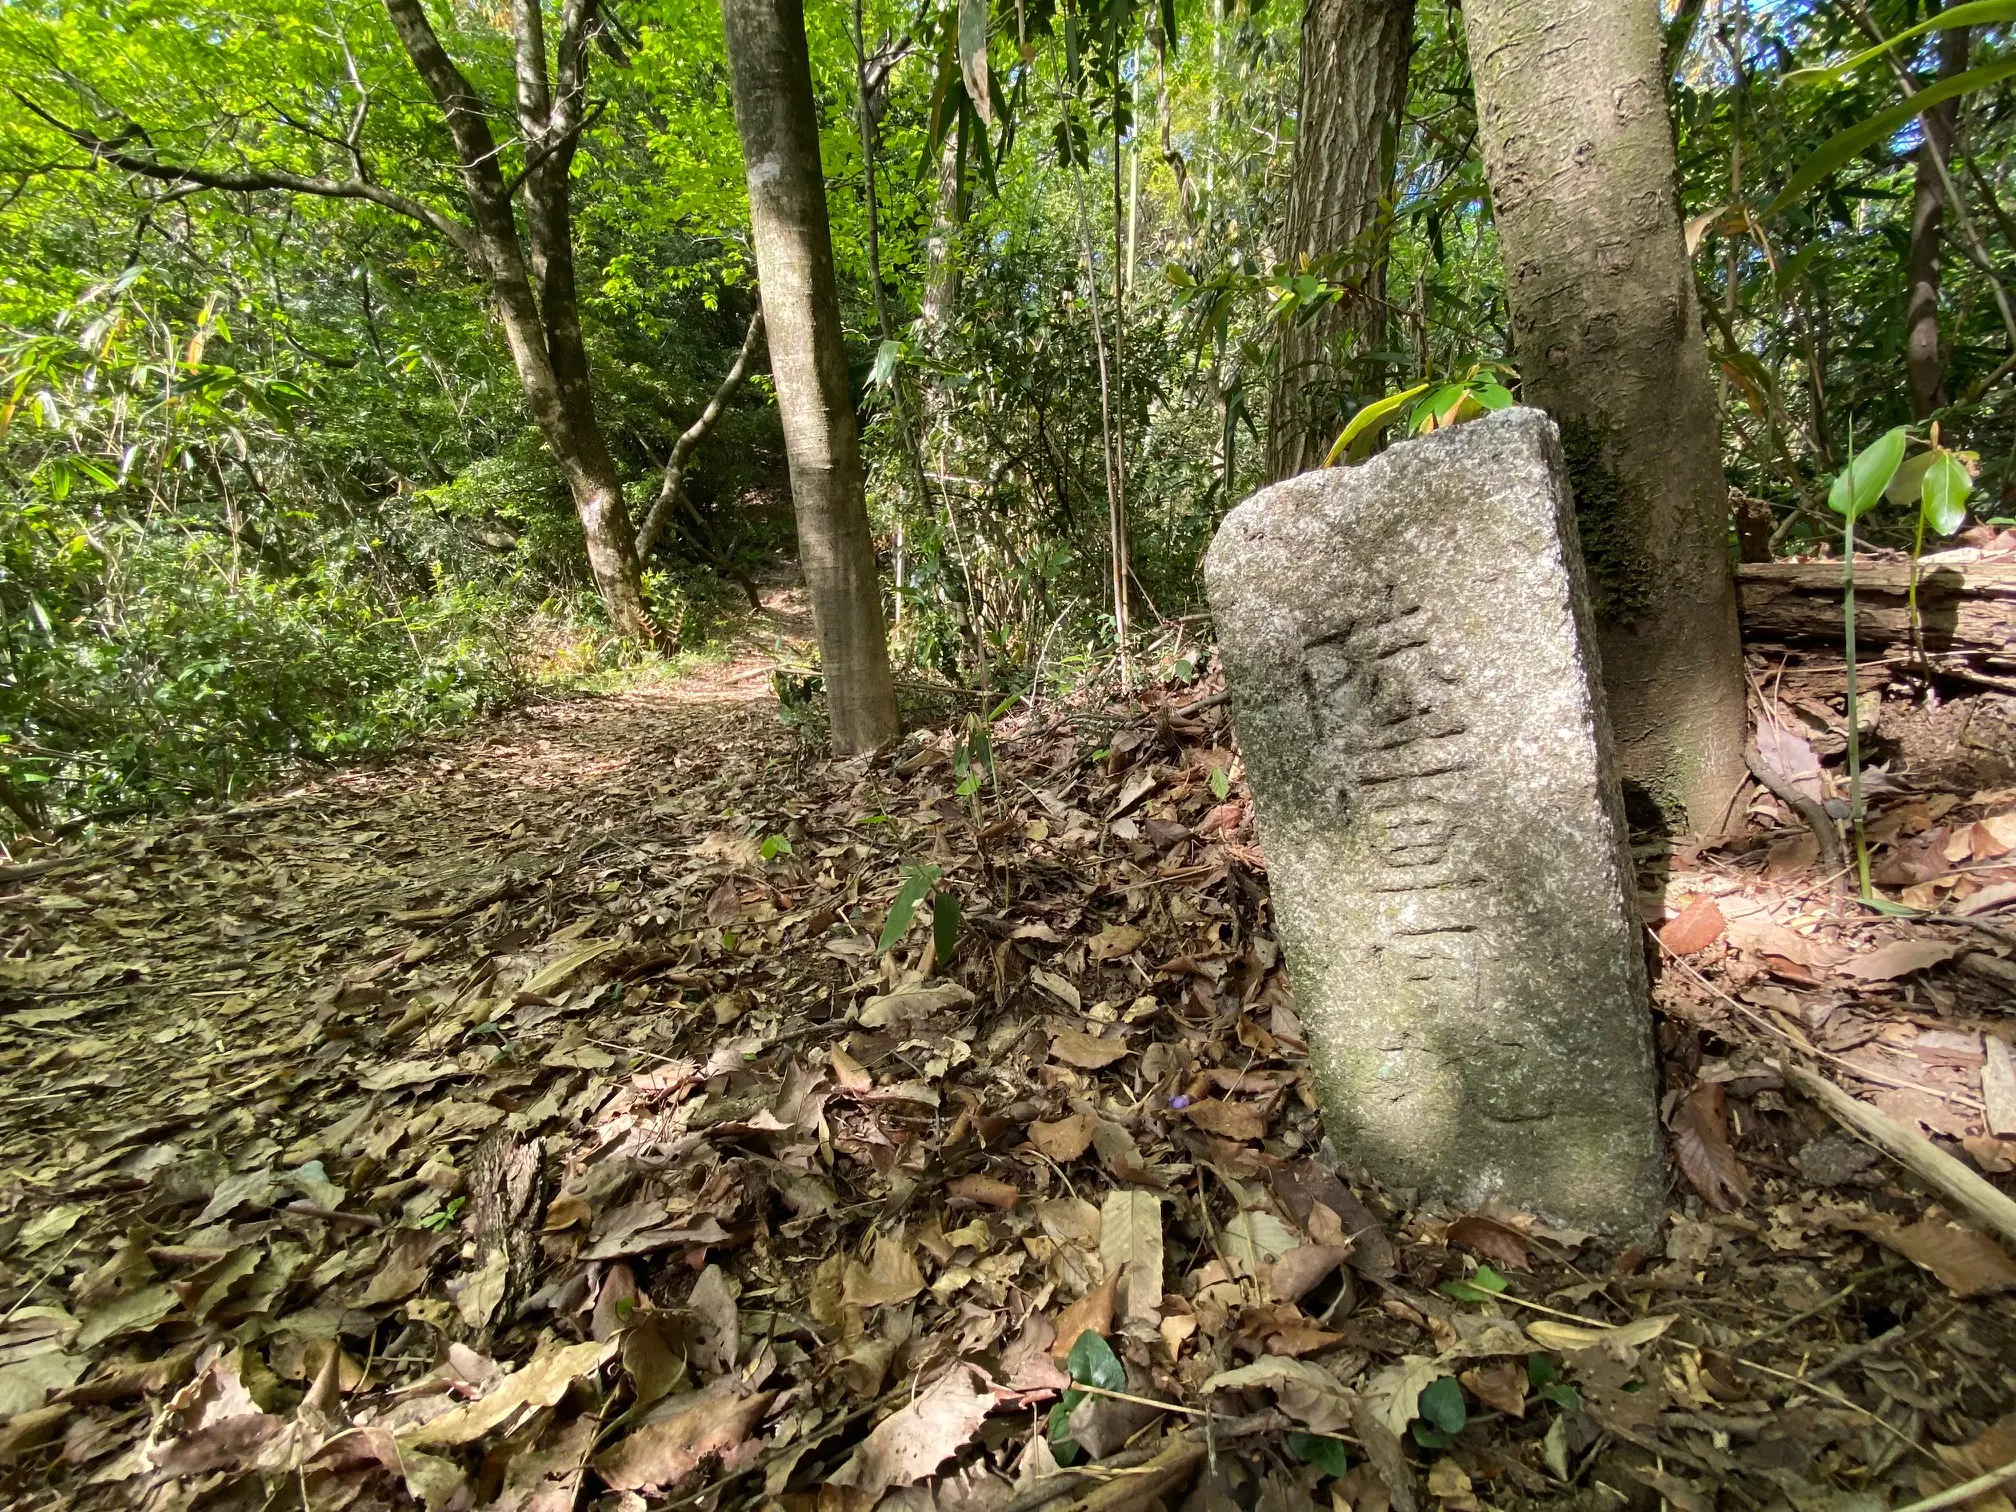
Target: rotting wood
[
  {"x": 1965, "y": 608},
  {"x": 1913, "y": 1151}
]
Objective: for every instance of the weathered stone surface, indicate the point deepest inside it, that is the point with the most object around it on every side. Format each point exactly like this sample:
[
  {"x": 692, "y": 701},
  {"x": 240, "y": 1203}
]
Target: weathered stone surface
[{"x": 1408, "y": 645}]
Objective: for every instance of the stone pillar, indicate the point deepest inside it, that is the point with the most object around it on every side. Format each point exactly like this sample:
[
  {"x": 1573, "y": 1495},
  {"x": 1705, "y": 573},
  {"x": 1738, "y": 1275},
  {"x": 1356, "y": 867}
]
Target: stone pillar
[{"x": 1414, "y": 686}]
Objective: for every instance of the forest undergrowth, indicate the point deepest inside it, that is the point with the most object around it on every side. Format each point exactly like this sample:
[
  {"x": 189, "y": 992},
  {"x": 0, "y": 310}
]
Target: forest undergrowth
[{"x": 540, "y": 1121}]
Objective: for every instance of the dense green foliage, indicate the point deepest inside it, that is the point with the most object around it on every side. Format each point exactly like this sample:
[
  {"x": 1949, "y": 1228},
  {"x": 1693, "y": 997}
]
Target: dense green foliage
[{"x": 270, "y": 492}]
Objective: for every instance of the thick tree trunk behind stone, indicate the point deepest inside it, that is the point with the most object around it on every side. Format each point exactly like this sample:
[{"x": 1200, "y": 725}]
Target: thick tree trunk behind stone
[
  {"x": 1578, "y": 151},
  {"x": 1353, "y": 88},
  {"x": 794, "y": 259},
  {"x": 1923, "y": 363}
]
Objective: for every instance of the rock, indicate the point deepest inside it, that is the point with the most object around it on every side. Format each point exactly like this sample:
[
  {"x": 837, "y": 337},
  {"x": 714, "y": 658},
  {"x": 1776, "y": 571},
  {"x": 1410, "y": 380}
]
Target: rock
[{"x": 1414, "y": 687}]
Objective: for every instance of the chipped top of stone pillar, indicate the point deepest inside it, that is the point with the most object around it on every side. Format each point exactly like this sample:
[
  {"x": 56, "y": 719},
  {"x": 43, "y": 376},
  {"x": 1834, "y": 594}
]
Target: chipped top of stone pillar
[{"x": 1415, "y": 691}]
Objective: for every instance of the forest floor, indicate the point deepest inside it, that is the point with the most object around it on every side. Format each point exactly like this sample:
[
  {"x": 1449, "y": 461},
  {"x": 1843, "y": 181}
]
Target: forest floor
[{"x": 535, "y": 1122}]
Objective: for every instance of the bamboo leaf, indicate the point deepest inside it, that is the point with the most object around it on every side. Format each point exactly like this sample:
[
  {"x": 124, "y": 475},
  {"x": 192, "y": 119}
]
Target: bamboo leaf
[
  {"x": 1370, "y": 419},
  {"x": 1975, "y": 13}
]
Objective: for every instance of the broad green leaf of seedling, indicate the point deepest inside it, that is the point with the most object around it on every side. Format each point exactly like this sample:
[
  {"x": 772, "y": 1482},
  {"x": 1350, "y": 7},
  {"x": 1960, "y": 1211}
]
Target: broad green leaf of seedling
[
  {"x": 1221, "y": 783},
  {"x": 1320, "y": 1450},
  {"x": 1944, "y": 498},
  {"x": 1863, "y": 480},
  {"x": 917, "y": 881},
  {"x": 1090, "y": 1363},
  {"x": 1482, "y": 1287},
  {"x": 775, "y": 846}
]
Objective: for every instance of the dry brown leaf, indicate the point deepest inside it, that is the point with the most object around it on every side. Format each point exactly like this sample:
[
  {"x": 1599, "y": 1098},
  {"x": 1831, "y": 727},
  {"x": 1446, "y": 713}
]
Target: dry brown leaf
[
  {"x": 1898, "y": 960},
  {"x": 985, "y": 1190},
  {"x": 1501, "y": 1387},
  {"x": 849, "y": 1073},
  {"x": 891, "y": 1276},
  {"x": 1701, "y": 1145},
  {"x": 1966, "y": 1260},
  {"x": 1114, "y": 941},
  {"x": 679, "y": 1435},
  {"x": 1503, "y": 1246},
  {"x": 1227, "y": 1119},
  {"x": 1130, "y": 1247},
  {"x": 909, "y": 1444},
  {"x": 1066, "y": 1139},
  {"x": 1093, "y": 1311},
  {"x": 1086, "y": 1051},
  {"x": 1298, "y": 1272},
  {"x": 1699, "y": 925},
  {"x": 717, "y": 1322},
  {"x": 539, "y": 1384}
]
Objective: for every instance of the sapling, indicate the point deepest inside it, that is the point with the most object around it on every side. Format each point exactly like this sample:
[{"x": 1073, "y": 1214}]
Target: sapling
[{"x": 1939, "y": 483}]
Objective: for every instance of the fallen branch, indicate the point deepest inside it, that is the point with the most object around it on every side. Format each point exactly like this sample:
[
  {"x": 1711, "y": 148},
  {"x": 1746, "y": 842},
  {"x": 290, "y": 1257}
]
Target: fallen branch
[
  {"x": 1909, "y": 1149},
  {"x": 1953, "y": 1496},
  {"x": 1833, "y": 858}
]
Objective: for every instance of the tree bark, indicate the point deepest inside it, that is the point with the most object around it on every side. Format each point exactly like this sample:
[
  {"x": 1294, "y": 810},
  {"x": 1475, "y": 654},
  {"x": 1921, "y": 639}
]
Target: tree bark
[
  {"x": 941, "y": 260},
  {"x": 1923, "y": 362},
  {"x": 1578, "y": 151},
  {"x": 1353, "y": 88},
  {"x": 775, "y": 117},
  {"x": 1964, "y": 608}
]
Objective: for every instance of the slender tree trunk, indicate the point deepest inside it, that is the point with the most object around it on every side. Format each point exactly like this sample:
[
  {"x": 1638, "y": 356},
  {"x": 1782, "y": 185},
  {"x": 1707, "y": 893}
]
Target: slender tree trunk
[
  {"x": 1579, "y": 154},
  {"x": 941, "y": 261},
  {"x": 1353, "y": 89},
  {"x": 1924, "y": 364},
  {"x": 542, "y": 328},
  {"x": 775, "y": 116}
]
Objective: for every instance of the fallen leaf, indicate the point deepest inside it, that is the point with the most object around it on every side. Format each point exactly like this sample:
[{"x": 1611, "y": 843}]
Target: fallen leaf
[
  {"x": 682, "y": 1433},
  {"x": 1114, "y": 941},
  {"x": 1701, "y": 1146},
  {"x": 1698, "y": 926},
  {"x": 136, "y": 1312},
  {"x": 1057, "y": 987},
  {"x": 890, "y": 1276},
  {"x": 1092, "y": 1312},
  {"x": 717, "y": 1322},
  {"x": 1554, "y": 1335},
  {"x": 540, "y": 1383},
  {"x": 1501, "y": 1387},
  {"x": 1130, "y": 1246},
  {"x": 557, "y": 974},
  {"x": 1087, "y": 1051},
  {"x": 1898, "y": 960},
  {"x": 909, "y": 1444},
  {"x": 1066, "y": 1139},
  {"x": 1258, "y": 1238},
  {"x": 1499, "y": 1243},
  {"x": 1228, "y": 1119},
  {"x": 1967, "y": 1261},
  {"x": 847, "y": 1071},
  {"x": 1305, "y": 1390},
  {"x": 1298, "y": 1272},
  {"x": 985, "y": 1190},
  {"x": 917, "y": 1001}
]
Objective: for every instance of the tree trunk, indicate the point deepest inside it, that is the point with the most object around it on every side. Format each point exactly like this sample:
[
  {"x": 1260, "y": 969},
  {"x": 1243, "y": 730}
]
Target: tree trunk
[
  {"x": 1353, "y": 88},
  {"x": 1579, "y": 155},
  {"x": 941, "y": 275},
  {"x": 1923, "y": 363},
  {"x": 542, "y": 328},
  {"x": 808, "y": 362}
]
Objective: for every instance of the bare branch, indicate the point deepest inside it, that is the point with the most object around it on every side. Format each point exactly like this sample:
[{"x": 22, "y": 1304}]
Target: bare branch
[
  {"x": 682, "y": 450},
  {"x": 249, "y": 180}
]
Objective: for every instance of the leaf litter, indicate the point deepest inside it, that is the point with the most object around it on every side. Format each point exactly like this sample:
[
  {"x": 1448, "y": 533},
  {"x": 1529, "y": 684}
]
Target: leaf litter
[{"x": 623, "y": 1107}]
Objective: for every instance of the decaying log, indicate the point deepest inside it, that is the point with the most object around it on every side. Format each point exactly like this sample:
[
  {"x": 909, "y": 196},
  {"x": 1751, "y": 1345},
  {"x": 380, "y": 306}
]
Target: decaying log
[
  {"x": 1965, "y": 608},
  {"x": 507, "y": 1203}
]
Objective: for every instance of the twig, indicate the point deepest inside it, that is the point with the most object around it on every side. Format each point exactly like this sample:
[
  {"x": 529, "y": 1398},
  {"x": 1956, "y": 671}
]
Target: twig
[
  {"x": 1952, "y": 1496},
  {"x": 1807, "y": 1047},
  {"x": 1138, "y": 1401},
  {"x": 1818, "y": 820},
  {"x": 1801, "y": 1384},
  {"x": 1913, "y": 1151},
  {"x": 1830, "y": 1303}
]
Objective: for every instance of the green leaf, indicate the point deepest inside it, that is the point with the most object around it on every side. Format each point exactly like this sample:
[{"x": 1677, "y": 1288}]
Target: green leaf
[
  {"x": 1320, "y": 1450},
  {"x": 1093, "y": 1363},
  {"x": 1977, "y": 13},
  {"x": 888, "y": 358},
  {"x": 1368, "y": 422},
  {"x": 917, "y": 881},
  {"x": 1221, "y": 783},
  {"x": 1058, "y": 1430},
  {"x": 1442, "y": 1404},
  {"x": 1493, "y": 396},
  {"x": 1430, "y": 1438},
  {"x": 1946, "y": 489},
  {"x": 1843, "y": 145},
  {"x": 1909, "y": 483},
  {"x": 775, "y": 846},
  {"x": 944, "y": 926},
  {"x": 1863, "y": 480}
]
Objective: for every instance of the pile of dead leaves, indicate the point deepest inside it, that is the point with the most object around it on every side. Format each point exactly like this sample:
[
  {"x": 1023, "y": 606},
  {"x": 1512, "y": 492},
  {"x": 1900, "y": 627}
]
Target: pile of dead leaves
[{"x": 626, "y": 1109}]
